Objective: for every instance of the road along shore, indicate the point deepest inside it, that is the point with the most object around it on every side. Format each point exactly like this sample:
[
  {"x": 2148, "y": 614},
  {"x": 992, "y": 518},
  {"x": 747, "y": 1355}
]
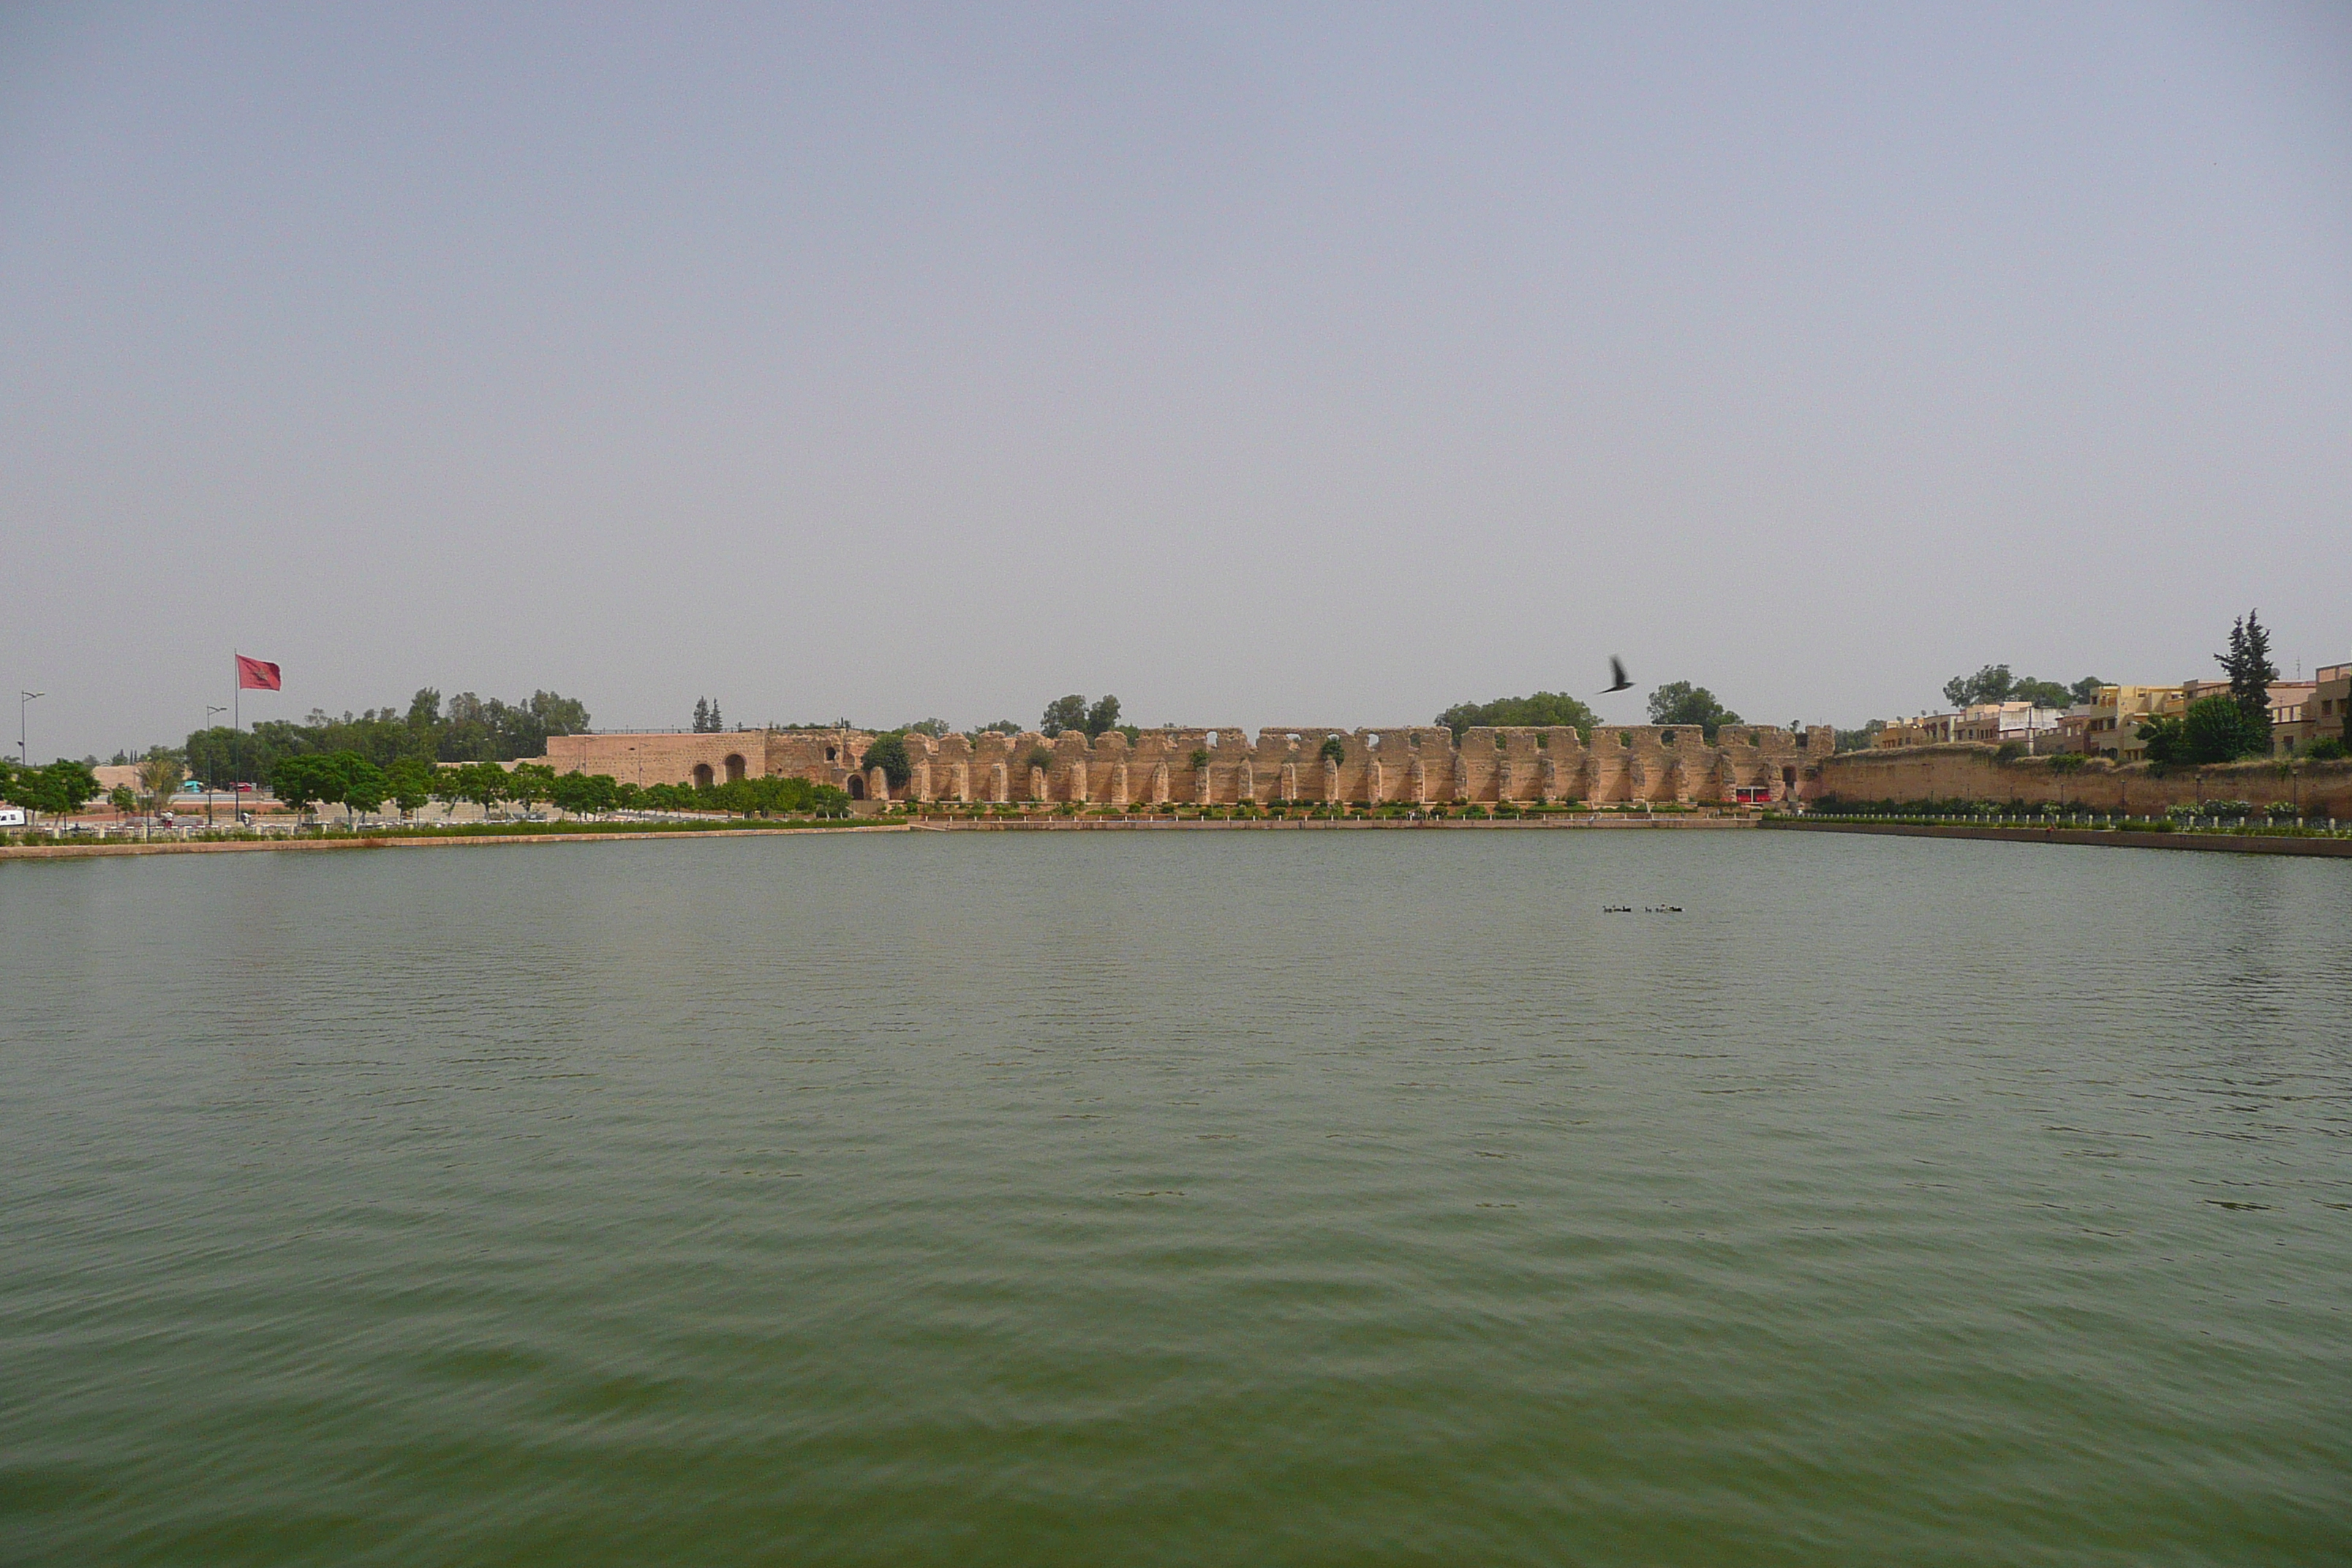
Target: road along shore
[
  {"x": 2218, "y": 843},
  {"x": 71, "y": 851}
]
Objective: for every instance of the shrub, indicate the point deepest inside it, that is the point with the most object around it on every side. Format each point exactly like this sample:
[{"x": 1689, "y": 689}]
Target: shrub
[
  {"x": 888, "y": 753},
  {"x": 2216, "y": 730}
]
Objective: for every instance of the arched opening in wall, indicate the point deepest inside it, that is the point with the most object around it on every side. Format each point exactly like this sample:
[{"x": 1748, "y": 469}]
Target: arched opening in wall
[
  {"x": 1371, "y": 742},
  {"x": 734, "y": 770},
  {"x": 1666, "y": 737},
  {"x": 1788, "y": 778},
  {"x": 857, "y": 787},
  {"x": 832, "y": 753},
  {"x": 702, "y": 776},
  {"x": 1210, "y": 740}
]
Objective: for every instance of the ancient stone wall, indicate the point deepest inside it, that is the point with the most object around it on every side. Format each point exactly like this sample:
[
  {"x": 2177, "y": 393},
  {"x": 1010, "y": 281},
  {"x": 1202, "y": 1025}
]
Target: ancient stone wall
[
  {"x": 686, "y": 759},
  {"x": 1966, "y": 771},
  {"x": 1414, "y": 764}
]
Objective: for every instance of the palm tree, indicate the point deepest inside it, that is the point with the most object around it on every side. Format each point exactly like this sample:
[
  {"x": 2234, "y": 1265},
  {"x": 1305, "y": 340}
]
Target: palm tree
[{"x": 159, "y": 775}]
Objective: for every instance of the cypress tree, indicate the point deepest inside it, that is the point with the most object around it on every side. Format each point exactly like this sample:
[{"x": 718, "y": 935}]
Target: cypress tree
[{"x": 2251, "y": 673}]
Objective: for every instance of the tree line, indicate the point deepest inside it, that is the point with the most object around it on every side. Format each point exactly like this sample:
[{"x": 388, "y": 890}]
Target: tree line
[
  {"x": 465, "y": 729},
  {"x": 306, "y": 781},
  {"x": 53, "y": 789},
  {"x": 352, "y": 781},
  {"x": 1994, "y": 683},
  {"x": 1678, "y": 703}
]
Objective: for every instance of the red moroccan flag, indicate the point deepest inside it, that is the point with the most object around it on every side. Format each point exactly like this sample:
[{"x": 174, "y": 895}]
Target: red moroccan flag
[{"x": 256, "y": 674}]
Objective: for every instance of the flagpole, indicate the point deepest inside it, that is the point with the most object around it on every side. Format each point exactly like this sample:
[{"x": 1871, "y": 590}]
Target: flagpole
[{"x": 237, "y": 732}]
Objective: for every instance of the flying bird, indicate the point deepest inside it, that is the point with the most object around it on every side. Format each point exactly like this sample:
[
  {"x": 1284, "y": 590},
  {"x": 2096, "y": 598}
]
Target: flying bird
[{"x": 1619, "y": 680}]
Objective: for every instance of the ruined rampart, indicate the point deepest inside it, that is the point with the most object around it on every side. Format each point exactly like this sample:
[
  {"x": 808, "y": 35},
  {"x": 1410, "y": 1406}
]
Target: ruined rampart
[
  {"x": 1967, "y": 771},
  {"x": 1224, "y": 766}
]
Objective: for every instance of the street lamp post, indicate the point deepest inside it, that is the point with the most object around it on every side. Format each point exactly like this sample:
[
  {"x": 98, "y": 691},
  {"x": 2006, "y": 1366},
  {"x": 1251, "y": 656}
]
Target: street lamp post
[
  {"x": 211, "y": 713},
  {"x": 22, "y": 699}
]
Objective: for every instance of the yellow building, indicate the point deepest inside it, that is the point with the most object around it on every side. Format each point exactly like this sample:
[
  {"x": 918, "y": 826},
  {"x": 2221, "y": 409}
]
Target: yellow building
[
  {"x": 2329, "y": 709},
  {"x": 2112, "y": 720}
]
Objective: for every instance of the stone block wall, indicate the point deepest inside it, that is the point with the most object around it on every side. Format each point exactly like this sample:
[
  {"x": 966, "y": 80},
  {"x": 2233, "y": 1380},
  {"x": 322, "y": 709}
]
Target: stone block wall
[
  {"x": 1967, "y": 771},
  {"x": 686, "y": 758},
  {"x": 1225, "y": 766}
]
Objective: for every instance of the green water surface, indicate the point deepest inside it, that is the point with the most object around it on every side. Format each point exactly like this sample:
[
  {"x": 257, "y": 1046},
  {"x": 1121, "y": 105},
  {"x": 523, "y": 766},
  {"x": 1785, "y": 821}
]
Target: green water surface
[{"x": 1160, "y": 1198}]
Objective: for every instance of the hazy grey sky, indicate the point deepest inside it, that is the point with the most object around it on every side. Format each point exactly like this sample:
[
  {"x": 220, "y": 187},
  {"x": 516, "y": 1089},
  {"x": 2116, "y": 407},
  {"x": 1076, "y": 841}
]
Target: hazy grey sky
[{"x": 1260, "y": 365}]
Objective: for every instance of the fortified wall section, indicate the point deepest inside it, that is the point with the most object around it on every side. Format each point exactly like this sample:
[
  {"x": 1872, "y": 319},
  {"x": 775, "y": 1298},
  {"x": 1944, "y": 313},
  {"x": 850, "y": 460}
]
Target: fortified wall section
[
  {"x": 1414, "y": 764},
  {"x": 683, "y": 758},
  {"x": 1968, "y": 770}
]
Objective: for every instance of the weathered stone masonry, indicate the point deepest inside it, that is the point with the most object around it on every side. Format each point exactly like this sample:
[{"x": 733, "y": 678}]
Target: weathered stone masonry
[
  {"x": 1416, "y": 765},
  {"x": 1964, "y": 770}
]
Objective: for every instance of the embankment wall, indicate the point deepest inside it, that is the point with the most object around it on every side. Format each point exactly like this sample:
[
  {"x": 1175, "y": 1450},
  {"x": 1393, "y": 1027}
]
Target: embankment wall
[{"x": 1967, "y": 771}]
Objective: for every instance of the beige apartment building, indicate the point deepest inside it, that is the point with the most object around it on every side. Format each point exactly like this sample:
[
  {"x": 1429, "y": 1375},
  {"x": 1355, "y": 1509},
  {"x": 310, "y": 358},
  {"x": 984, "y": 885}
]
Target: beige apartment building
[
  {"x": 2110, "y": 722},
  {"x": 1990, "y": 723},
  {"x": 2326, "y": 710},
  {"x": 2302, "y": 712}
]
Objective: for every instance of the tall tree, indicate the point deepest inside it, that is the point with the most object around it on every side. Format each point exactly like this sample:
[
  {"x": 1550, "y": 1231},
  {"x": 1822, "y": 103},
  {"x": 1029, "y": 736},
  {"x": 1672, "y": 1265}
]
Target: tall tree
[
  {"x": 59, "y": 788},
  {"x": 530, "y": 782},
  {"x": 702, "y": 715},
  {"x": 2248, "y": 665},
  {"x": 304, "y": 781},
  {"x": 2085, "y": 691},
  {"x": 2217, "y": 730},
  {"x": 2041, "y": 693},
  {"x": 409, "y": 782},
  {"x": 1102, "y": 715},
  {"x": 365, "y": 786},
  {"x": 583, "y": 794},
  {"x": 1064, "y": 713},
  {"x": 484, "y": 783},
  {"x": 1991, "y": 684},
  {"x": 2163, "y": 738},
  {"x": 1680, "y": 702}
]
